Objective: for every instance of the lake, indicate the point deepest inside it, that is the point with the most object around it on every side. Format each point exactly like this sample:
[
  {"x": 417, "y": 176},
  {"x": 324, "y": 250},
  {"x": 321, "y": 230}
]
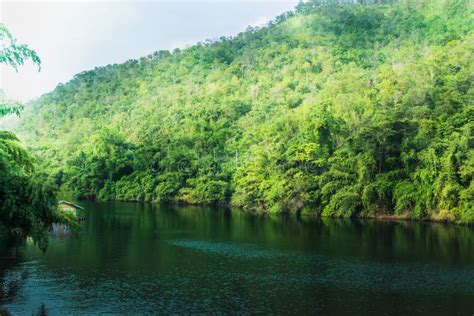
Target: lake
[{"x": 139, "y": 258}]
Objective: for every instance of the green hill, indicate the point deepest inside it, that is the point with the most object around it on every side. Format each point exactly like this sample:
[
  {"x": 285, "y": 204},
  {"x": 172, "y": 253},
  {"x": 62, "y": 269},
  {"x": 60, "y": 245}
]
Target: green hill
[{"x": 340, "y": 110}]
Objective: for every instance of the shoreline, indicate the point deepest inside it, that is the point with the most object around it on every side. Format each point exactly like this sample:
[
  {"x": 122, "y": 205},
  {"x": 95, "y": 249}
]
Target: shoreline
[{"x": 378, "y": 217}]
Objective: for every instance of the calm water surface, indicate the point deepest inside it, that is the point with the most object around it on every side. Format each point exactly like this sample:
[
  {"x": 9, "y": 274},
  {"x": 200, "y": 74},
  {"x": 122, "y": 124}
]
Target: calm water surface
[{"x": 138, "y": 259}]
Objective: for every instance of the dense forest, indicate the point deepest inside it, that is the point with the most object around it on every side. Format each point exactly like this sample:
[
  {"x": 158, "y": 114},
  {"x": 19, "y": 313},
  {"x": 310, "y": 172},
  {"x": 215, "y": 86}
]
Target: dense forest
[{"x": 337, "y": 110}]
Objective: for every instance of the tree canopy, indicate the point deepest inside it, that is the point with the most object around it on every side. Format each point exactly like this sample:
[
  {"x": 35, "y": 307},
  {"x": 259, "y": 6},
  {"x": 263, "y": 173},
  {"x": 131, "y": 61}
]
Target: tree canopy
[{"x": 340, "y": 110}]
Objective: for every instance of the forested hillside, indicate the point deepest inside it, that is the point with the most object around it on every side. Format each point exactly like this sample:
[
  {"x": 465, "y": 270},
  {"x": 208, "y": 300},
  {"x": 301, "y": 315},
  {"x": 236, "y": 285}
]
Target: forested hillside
[{"x": 339, "y": 110}]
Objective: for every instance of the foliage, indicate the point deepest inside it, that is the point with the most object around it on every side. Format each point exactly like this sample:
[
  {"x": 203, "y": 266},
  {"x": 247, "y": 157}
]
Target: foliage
[
  {"x": 13, "y": 54},
  {"x": 26, "y": 201},
  {"x": 334, "y": 108}
]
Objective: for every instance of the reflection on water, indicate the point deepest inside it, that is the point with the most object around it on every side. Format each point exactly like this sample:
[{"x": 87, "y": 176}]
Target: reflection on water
[{"x": 132, "y": 258}]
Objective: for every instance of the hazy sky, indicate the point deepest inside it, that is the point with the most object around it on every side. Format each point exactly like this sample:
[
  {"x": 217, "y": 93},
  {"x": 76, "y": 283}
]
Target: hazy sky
[{"x": 73, "y": 36}]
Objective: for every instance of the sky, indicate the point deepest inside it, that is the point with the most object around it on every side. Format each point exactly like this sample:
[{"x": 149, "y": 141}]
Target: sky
[{"x": 74, "y": 36}]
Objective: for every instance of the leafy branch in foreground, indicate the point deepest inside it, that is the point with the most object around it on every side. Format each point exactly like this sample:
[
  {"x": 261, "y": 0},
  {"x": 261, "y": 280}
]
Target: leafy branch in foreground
[
  {"x": 13, "y": 53},
  {"x": 27, "y": 203}
]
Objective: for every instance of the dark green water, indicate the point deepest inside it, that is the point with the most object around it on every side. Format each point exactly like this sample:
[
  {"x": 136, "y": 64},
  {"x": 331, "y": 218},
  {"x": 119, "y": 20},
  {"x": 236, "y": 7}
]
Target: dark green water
[{"x": 136, "y": 259}]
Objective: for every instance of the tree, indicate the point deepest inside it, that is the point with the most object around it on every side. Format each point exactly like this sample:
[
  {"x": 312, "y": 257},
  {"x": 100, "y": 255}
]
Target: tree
[
  {"x": 338, "y": 110},
  {"x": 27, "y": 204}
]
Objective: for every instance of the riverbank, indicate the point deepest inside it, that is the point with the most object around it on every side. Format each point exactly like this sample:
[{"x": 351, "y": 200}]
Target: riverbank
[{"x": 439, "y": 217}]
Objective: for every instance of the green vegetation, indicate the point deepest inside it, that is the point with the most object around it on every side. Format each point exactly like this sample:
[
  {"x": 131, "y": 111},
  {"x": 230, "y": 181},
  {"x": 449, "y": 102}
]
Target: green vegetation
[
  {"x": 26, "y": 202},
  {"x": 339, "y": 110}
]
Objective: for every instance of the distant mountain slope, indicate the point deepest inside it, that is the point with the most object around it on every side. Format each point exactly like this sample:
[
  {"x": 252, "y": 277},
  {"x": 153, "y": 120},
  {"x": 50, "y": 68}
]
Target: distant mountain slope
[{"x": 340, "y": 110}]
